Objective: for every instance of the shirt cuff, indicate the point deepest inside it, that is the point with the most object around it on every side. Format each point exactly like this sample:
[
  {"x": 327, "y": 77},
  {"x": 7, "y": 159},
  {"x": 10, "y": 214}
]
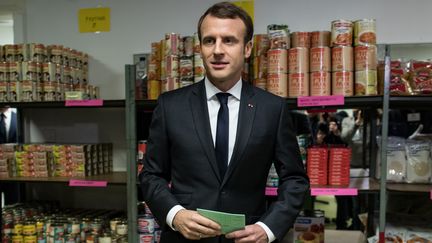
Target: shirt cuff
[
  {"x": 171, "y": 214},
  {"x": 271, "y": 237}
]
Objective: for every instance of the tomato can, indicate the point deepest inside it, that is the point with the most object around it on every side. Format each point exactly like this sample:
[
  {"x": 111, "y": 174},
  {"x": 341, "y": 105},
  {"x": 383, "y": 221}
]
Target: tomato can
[
  {"x": 277, "y": 83},
  {"x": 365, "y": 58},
  {"x": 298, "y": 60},
  {"x": 300, "y": 39},
  {"x": 341, "y": 32},
  {"x": 320, "y": 83},
  {"x": 365, "y": 32},
  {"x": 278, "y": 36},
  {"x": 342, "y": 58},
  {"x": 277, "y": 61},
  {"x": 366, "y": 82},
  {"x": 320, "y": 38},
  {"x": 261, "y": 44},
  {"x": 298, "y": 84},
  {"x": 320, "y": 59},
  {"x": 186, "y": 67}
]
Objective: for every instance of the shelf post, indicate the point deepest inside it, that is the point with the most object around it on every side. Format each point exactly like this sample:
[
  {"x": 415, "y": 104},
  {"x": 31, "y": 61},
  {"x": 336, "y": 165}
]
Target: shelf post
[
  {"x": 384, "y": 137},
  {"x": 131, "y": 166}
]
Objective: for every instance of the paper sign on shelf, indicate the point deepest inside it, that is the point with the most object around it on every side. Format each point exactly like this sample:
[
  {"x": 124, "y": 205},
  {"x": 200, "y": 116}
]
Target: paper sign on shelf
[
  {"x": 97, "y": 102},
  {"x": 334, "y": 191},
  {"x": 86, "y": 183},
  {"x": 305, "y": 101},
  {"x": 247, "y": 5},
  {"x": 271, "y": 191},
  {"x": 94, "y": 20}
]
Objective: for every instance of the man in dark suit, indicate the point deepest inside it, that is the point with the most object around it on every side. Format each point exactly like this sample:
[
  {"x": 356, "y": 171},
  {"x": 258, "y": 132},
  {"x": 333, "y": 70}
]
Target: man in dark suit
[
  {"x": 215, "y": 142},
  {"x": 8, "y": 125}
]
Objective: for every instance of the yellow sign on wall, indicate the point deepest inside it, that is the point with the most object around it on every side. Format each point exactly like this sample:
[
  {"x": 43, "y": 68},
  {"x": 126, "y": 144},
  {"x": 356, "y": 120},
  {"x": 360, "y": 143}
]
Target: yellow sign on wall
[
  {"x": 94, "y": 20},
  {"x": 247, "y": 5}
]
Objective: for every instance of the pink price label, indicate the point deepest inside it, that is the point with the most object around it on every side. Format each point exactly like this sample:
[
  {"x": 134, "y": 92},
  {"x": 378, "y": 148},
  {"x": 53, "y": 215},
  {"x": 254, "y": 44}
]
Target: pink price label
[
  {"x": 334, "y": 192},
  {"x": 88, "y": 183},
  {"x": 271, "y": 191},
  {"x": 305, "y": 101},
  {"x": 431, "y": 194},
  {"x": 98, "y": 102}
]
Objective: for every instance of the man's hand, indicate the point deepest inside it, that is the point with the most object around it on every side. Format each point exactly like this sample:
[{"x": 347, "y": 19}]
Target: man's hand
[
  {"x": 193, "y": 226},
  {"x": 252, "y": 233}
]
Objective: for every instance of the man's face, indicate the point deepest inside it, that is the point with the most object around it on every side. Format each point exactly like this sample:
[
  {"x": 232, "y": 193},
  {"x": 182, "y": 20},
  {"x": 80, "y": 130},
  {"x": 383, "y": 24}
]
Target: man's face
[
  {"x": 333, "y": 126},
  {"x": 223, "y": 49}
]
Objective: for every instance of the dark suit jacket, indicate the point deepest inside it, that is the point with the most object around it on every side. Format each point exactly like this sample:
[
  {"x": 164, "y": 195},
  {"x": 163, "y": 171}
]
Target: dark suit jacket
[
  {"x": 12, "y": 135},
  {"x": 180, "y": 150}
]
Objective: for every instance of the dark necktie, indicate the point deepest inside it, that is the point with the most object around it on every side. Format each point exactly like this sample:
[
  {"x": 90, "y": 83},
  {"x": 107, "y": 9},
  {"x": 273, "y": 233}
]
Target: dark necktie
[
  {"x": 3, "y": 137},
  {"x": 222, "y": 131}
]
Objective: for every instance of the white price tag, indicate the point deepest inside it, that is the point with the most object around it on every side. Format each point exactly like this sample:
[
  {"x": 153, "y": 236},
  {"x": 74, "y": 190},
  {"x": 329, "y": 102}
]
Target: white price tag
[{"x": 413, "y": 117}]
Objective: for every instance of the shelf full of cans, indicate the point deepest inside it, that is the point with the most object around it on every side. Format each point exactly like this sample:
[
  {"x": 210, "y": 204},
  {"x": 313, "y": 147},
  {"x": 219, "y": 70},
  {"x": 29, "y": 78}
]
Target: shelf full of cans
[
  {"x": 45, "y": 222},
  {"x": 342, "y": 61},
  {"x": 175, "y": 62},
  {"x": 55, "y": 160},
  {"x": 35, "y": 72}
]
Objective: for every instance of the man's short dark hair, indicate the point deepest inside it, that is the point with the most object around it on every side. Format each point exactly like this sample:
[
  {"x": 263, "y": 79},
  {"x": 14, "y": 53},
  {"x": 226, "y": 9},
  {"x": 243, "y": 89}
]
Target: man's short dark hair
[{"x": 227, "y": 10}]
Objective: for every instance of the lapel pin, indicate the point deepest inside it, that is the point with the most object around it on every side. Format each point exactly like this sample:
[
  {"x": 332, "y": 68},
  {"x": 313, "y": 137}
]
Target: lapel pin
[{"x": 250, "y": 105}]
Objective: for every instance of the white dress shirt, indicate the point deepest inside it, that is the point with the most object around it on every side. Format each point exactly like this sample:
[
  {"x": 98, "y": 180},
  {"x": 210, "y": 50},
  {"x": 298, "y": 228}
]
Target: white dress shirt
[
  {"x": 8, "y": 119},
  {"x": 213, "y": 109}
]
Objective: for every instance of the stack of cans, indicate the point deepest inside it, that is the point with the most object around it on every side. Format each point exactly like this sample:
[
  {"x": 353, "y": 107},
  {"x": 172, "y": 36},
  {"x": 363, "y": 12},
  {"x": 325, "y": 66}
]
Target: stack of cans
[
  {"x": 298, "y": 64},
  {"x": 199, "y": 70},
  {"x": 319, "y": 65},
  {"x": 277, "y": 58},
  {"x": 170, "y": 48},
  {"x": 342, "y": 58},
  {"x": 154, "y": 74},
  {"x": 365, "y": 53},
  {"x": 259, "y": 72},
  {"x": 186, "y": 61},
  {"x": 148, "y": 227}
]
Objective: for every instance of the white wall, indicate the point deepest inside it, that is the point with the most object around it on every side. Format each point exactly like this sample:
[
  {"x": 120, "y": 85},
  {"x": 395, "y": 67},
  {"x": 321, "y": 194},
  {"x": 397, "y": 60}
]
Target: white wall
[
  {"x": 6, "y": 35},
  {"x": 136, "y": 23}
]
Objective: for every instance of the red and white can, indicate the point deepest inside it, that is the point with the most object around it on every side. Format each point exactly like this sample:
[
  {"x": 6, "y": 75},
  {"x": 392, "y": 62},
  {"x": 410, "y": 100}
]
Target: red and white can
[
  {"x": 298, "y": 60},
  {"x": 277, "y": 83},
  {"x": 277, "y": 61},
  {"x": 260, "y": 67},
  {"x": 320, "y": 84},
  {"x": 171, "y": 66},
  {"x": 343, "y": 83},
  {"x": 170, "y": 83},
  {"x": 342, "y": 33},
  {"x": 300, "y": 39},
  {"x": 298, "y": 84},
  {"x": 342, "y": 58},
  {"x": 172, "y": 44},
  {"x": 320, "y": 59},
  {"x": 260, "y": 83},
  {"x": 320, "y": 38},
  {"x": 261, "y": 44}
]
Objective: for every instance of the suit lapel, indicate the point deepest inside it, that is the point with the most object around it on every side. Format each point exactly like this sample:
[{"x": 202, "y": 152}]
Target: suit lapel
[
  {"x": 12, "y": 128},
  {"x": 247, "y": 109},
  {"x": 198, "y": 104}
]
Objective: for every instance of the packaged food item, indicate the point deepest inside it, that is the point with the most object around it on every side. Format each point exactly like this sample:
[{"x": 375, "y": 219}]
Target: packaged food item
[{"x": 418, "y": 161}]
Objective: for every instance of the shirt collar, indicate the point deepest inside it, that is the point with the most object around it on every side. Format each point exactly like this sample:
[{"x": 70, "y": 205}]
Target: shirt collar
[
  {"x": 7, "y": 113},
  {"x": 212, "y": 90}
]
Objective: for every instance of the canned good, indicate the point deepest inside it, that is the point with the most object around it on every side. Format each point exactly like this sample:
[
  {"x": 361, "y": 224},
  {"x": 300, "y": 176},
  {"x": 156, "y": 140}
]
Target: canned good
[
  {"x": 366, "y": 82},
  {"x": 170, "y": 84},
  {"x": 186, "y": 82},
  {"x": 105, "y": 238},
  {"x": 37, "y": 52},
  {"x": 278, "y": 36},
  {"x": 73, "y": 58},
  {"x": 320, "y": 59},
  {"x": 17, "y": 238},
  {"x": 49, "y": 90},
  {"x": 277, "y": 61},
  {"x": 29, "y": 70},
  {"x": 261, "y": 44},
  {"x": 186, "y": 67},
  {"x": 15, "y": 71},
  {"x": 172, "y": 44},
  {"x": 364, "y": 32},
  {"x": 157, "y": 236},
  {"x": 171, "y": 66},
  {"x": 155, "y": 50},
  {"x": 113, "y": 223},
  {"x": 188, "y": 46},
  {"x": 17, "y": 228},
  {"x": 13, "y": 91},
  {"x": 365, "y": 58},
  {"x": 96, "y": 226},
  {"x": 30, "y": 239},
  {"x": 29, "y": 228},
  {"x": 55, "y": 53},
  {"x": 197, "y": 47},
  {"x": 19, "y": 52},
  {"x": 341, "y": 33},
  {"x": 66, "y": 56},
  {"x": 153, "y": 69},
  {"x": 320, "y": 38},
  {"x": 146, "y": 238},
  {"x": 199, "y": 71},
  {"x": 298, "y": 60},
  {"x": 49, "y": 71},
  {"x": 153, "y": 89},
  {"x": 298, "y": 84},
  {"x": 260, "y": 83},
  {"x": 145, "y": 224},
  {"x": 9, "y": 53},
  {"x": 300, "y": 39},
  {"x": 320, "y": 84},
  {"x": 260, "y": 67},
  {"x": 4, "y": 71},
  {"x": 342, "y": 58},
  {"x": 122, "y": 228},
  {"x": 277, "y": 83}
]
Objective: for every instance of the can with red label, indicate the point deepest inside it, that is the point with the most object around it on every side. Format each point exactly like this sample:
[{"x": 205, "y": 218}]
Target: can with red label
[
  {"x": 145, "y": 224},
  {"x": 300, "y": 39},
  {"x": 261, "y": 44},
  {"x": 37, "y": 52},
  {"x": 49, "y": 90},
  {"x": 186, "y": 67},
  {"x": 364, "y": 32},
  {"x": 365, "y": 58},
  {"x": 342, "y": 58},
  {"x": 55, "y": 53},
  {"x": 29, "y": 70},
  {"x": 320, "y": 38},
  {"x": 49, "y": 71},
  {"x": 320, "y": 59},
  {"x": 172, "y": 44},
  {"x": 3, "y": 91},
  {"x": 277, "y": 83},
  {"x": 341, "y": 32},
  {"x": 320, "y": 84},
  {"x": 260, "y": 83},
  {"x": 172, "y": 66},
  {"x": 343, "y": 83},
  {"x": 298, "y": 60},
  {"x": 20, "y": 52},
  {"x": 199, "y": 71},
  {"x": 277, "y": 61},
  {"x": 298, "y": 84},
  {"x": 260, "y": 67},
  {"x": 170, "y": 84},
  {"x": 15, "y": 71},
  {"x": 146, "y": 238}
]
